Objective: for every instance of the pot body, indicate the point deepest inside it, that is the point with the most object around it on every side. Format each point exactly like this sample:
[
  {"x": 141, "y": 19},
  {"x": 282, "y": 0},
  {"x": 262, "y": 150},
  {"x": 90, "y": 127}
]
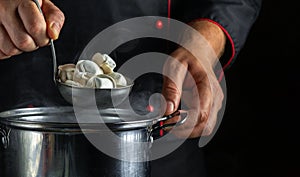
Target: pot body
[{"x": 37, "y": 152}]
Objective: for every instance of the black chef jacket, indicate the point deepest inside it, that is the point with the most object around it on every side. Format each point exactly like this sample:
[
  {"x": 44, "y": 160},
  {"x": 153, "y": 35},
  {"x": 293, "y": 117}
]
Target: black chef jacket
[{"x": 26, "y": 79}]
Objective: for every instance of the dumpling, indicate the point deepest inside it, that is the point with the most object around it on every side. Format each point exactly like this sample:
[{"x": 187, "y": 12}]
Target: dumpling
[
  {"x": 82, "y": 77},
  {"x": 101, "y": 81},
  {"x": 88, "y": 66},
  {"x": 73, "y": 83},
  {"x": 66, "y": 72},
  {"x": 119, "y": 79},
  {"x": 95, "y": 73},
  {"x": 106, "y": 63}
]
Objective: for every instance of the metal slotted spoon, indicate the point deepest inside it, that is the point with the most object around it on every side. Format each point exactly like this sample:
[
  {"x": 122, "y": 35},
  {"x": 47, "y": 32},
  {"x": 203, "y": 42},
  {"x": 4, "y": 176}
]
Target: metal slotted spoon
[
  {"x": 104, "y": 98},
  {"x": 54, "y": 62}
]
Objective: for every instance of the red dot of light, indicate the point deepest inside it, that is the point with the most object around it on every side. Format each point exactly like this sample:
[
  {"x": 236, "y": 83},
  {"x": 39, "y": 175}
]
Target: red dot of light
[
  {"x": 159, "y": 24},
  {"x": 30, "y": 106},
  {"x": 150, "y": 108}
]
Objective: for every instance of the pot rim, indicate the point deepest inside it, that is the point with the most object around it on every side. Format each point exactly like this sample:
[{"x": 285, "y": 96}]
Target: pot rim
[{"x": 36, "y": 119}]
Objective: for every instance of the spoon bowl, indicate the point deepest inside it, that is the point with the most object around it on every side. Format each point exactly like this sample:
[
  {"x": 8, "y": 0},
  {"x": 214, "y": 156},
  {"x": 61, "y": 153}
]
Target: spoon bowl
[{"x": 87, "y": 97}]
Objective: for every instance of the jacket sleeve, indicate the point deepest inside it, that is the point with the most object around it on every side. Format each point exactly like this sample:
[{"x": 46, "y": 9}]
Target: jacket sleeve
[{"x": 234, "y": 17}]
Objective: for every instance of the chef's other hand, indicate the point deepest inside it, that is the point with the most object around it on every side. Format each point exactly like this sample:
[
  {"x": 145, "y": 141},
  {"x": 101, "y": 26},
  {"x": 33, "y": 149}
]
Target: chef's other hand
[
  {"x": 192, "y": 80},
  {"x": 24, "y": 29}
]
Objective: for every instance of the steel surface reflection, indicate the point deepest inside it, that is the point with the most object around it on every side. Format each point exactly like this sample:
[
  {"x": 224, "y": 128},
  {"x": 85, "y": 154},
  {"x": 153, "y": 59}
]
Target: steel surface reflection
[{"x": 45, "y": 146}]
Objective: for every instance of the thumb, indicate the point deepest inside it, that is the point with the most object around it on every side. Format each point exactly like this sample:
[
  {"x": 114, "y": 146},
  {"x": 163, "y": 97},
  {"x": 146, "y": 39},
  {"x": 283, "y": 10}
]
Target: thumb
[
  {"x": 54, "y": 19},
  {"x": 172, "y": 95},
  {"x": 174, "y": 75}
]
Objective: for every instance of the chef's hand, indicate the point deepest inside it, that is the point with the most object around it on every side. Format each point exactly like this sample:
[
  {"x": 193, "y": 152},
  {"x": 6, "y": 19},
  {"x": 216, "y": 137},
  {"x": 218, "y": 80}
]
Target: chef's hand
[
  {"x": 192, "y": 80},
  {"x": 24, "y": 29}
]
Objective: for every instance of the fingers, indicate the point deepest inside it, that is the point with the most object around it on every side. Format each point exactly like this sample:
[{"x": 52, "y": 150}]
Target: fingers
[
  {"x": 201, "y": 120},
  {"x": 38, "y": 26},
  {"x": 24, "y": 28},
  {"x": 218, "y": 97},
  {"x": 174, "y": 73},
  {"x": 33, "y": 22},
  {"x": 54, "y": 19},
  {"x": 198, "y": 101},
  {"x": 17, "y": 32},
  {"x": 7, "y": 48},
  {"x": 3, "y": 56},
  {"x": 198, "y": 90}
]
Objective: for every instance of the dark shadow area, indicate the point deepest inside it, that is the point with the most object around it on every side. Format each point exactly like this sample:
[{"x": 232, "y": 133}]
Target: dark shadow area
[{"x": 259, "y": 133}]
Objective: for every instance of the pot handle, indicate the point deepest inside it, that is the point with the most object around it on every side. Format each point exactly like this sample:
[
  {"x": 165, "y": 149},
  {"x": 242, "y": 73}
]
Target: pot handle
[
  {"x": 158, "y": 128},
  {"x": 4, "y": 136}
]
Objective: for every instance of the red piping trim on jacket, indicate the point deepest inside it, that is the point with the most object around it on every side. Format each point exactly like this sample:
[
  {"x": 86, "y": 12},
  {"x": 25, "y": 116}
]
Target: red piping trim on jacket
[
  {"x": 232, "y": 46},
  {"x": 169, "y": 8},
  {"x": 229, "y": 38}
]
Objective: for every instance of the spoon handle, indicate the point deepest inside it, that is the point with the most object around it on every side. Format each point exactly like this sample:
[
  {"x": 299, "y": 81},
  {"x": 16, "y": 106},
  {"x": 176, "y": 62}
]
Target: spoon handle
[
  {"x": 53, "y": 60},
  {"x": 51, "y": 46}
]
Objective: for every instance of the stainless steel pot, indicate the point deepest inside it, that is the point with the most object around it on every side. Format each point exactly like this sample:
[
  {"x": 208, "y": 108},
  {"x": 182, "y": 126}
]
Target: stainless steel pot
[{"x": 48, "y": 142}]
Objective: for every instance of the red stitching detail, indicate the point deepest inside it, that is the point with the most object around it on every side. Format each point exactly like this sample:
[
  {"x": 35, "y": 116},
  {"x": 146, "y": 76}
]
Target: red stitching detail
[
  {"x": 169, "y": 8},
  {"x": 228, "y": 36}
]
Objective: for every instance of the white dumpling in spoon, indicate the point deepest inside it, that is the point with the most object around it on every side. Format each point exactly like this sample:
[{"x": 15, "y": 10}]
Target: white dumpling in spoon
[
  {"x": 119, "y": 79},
  {"x": 101, "y": 81},
  {"x": 105, "y": 62},
  {"x": 66, "y": 72},
  {"x": 88, "y": 66},
  {"x": 73, "y": 83},
  {"x": 82, "y": 77},
  {"x": 98, "y": 58}
]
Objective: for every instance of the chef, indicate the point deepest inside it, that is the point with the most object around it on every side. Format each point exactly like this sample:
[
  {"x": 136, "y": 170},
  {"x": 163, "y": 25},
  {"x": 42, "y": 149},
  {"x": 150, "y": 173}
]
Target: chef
[{"x": 25, "y": 61}]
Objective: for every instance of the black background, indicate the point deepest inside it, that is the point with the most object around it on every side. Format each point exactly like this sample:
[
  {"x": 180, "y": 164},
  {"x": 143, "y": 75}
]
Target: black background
[{"x": 258, "y": 136}]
